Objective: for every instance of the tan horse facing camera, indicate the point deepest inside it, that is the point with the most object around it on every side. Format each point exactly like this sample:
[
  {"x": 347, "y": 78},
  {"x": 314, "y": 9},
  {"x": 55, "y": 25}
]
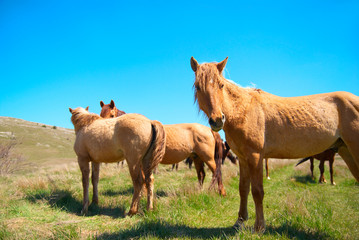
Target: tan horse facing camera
[
  {"x": 261, "y": 125},
  {"x": 187, "y": 140},
  {"x": 132, "y": 137}
]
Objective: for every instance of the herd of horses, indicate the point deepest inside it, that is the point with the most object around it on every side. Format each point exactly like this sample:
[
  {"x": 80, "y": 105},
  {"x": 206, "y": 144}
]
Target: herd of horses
[{"x": 257, "y": 126}]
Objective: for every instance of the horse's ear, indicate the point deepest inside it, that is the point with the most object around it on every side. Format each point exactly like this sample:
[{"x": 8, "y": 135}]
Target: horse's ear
[
  {"x": 70, "y": 109},
  {"x": 101, "y": 104},
  {"x": 194, "y": 64},
  {"x": 112, "y": 104},
  {"x": 87, "y": 108},
  {"x": 221, "y": 65}
]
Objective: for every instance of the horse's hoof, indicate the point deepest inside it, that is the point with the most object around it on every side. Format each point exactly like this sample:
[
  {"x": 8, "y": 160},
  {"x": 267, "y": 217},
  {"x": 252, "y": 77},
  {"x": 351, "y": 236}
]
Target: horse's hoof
[
  {"x": 333, "y": 183},
  {"x": 259, "y": 229},
  {"x": 268, "y": 178},
  {"x": 238, "y": 225},
  {"x": 83, "y": 212},
  {"x": 131, "y": 213}
]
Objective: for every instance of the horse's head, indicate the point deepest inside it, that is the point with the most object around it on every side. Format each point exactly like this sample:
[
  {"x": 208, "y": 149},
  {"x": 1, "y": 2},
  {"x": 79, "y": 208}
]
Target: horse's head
[
  {"x": 108, "y": 110},
  {"x": 208, "y": 86}
]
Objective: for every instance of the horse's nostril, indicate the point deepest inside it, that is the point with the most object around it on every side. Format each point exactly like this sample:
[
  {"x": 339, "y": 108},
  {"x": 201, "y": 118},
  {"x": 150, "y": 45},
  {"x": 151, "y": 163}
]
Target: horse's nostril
[{"x": 211, "y": 122}]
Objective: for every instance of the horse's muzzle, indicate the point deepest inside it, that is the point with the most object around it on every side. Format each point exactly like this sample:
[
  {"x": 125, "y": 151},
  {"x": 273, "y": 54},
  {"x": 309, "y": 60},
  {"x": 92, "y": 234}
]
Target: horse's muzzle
[{"x": 217, "y": 124}]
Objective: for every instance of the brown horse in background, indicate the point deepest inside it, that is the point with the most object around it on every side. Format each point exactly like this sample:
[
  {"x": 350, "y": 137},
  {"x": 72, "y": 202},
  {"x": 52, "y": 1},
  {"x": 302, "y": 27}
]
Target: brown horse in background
[
  {"x": 196, "y": 141},
  {"x": 327, "y": 155},
  {"x": 132, "y": 137},
  {"x": 260, "y": 125},
  {"x": 110, "y": 110}
]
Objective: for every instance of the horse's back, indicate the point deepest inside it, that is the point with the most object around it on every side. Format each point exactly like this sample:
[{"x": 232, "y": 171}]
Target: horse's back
[{"x": 113, "y": 139}]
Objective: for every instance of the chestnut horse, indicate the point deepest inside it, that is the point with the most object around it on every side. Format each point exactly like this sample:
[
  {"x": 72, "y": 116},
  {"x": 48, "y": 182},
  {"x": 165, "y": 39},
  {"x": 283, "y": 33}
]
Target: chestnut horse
[
  {"x": 132, "y": 137},
  {"x": 110, "y": 110},
  {"x": 192, "y": 140},
  {"x": 261, "y": 125},
  {"x": 327, "y": 155}
]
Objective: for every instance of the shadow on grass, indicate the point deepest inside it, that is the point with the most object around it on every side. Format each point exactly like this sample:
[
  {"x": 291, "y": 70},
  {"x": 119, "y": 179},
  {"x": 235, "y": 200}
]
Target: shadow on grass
[
  {"x": 164, "y": 230},
  {"x": 304, "y": 179},
  {"x": 65, "y": 201},
  {"x": 111, "y": 193},
  {"x": 129, "y": 192}
]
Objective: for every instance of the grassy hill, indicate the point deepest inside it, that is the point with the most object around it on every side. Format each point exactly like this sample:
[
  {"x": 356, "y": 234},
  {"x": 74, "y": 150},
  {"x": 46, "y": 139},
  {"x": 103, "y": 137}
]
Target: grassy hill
[{"x": 40, "y": 144}]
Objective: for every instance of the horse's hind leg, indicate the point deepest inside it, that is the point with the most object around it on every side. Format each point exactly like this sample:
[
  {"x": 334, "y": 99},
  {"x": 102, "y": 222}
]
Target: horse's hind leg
[
  {"x": 95, "y": 179},
  {"x": 150, "y": 191},
  {"x": 199, "y": 165},
  {"x": 312, "y": 167},
  {"x": 321, "y": 167},
  {"x": 138, "y": 181},
  {"x": 267, "y": 171},
  {"x": 344, "y": 152},
  {"x": 85, "y": 170}
]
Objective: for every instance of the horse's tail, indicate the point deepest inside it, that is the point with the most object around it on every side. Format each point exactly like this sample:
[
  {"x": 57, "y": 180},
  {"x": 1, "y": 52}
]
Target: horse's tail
[
  {"x": 156, "y": 150},
  {"x": 303, "y": 160},
  {"x": 218, "y": 156}
]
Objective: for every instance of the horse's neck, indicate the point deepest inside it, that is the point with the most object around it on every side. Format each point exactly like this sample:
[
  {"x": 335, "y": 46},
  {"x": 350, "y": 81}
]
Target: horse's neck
[
  {"x": 119, "y": 112},
  {"x": 235, "y": 101}
]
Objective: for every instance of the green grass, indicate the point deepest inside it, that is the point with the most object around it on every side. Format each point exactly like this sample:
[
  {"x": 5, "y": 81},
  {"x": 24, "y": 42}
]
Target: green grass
[{"x": 47, "y": 206}]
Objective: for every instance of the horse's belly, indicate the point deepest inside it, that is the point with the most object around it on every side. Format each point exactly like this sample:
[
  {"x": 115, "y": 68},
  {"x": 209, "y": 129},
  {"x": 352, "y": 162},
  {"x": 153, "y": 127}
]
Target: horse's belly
[
  {"x": 173, "y": 156},
  {"x": 288, "y": 147},
  {"x": 107, "y": 156},
  {"x": 104, "y": 150}
]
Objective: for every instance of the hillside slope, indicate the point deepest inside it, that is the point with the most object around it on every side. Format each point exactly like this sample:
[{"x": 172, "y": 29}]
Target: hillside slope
[{"x": 40, "y": 144}]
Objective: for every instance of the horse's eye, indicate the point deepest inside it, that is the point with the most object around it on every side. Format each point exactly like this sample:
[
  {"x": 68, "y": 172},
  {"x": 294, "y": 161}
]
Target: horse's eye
[
  {"x": 221, "y": 86},
  {"x": 112, "y": 116}
]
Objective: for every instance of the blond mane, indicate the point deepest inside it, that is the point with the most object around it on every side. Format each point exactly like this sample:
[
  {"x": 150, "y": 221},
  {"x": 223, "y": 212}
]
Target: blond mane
[{"x": 81, "y": 118}]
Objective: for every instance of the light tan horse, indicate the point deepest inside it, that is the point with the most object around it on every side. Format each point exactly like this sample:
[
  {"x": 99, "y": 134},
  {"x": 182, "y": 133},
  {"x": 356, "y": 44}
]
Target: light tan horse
[
  {"x": 132, "y": 137},
  {"x": 198, "y": 142},
  {"x": 188, "y": 140},
  {"x": 261, "y": 125}
]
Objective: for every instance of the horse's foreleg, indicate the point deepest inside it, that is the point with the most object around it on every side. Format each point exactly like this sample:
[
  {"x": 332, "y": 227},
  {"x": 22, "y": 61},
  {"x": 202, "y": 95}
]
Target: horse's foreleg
[
  {"x": 95, "y": 179},
  {"x": 138, "y": 181},
  {"x": 331, "y": 161},
  {"x": 85, "y": 170},
  {"x": 321, "y": 167},
  {"x": 256, "y": 172},
  {"x": 244, "y": 184}
]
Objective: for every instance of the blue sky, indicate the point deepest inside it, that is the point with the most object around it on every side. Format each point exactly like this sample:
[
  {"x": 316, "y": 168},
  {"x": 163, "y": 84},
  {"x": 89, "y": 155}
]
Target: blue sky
[{"x": 56, "y": 55}]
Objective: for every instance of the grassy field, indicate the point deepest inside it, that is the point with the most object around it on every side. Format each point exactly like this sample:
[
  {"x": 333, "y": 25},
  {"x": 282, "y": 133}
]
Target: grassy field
[
  {"x": 44, "y": 202},
  {"x": 46, "y": 205}
]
